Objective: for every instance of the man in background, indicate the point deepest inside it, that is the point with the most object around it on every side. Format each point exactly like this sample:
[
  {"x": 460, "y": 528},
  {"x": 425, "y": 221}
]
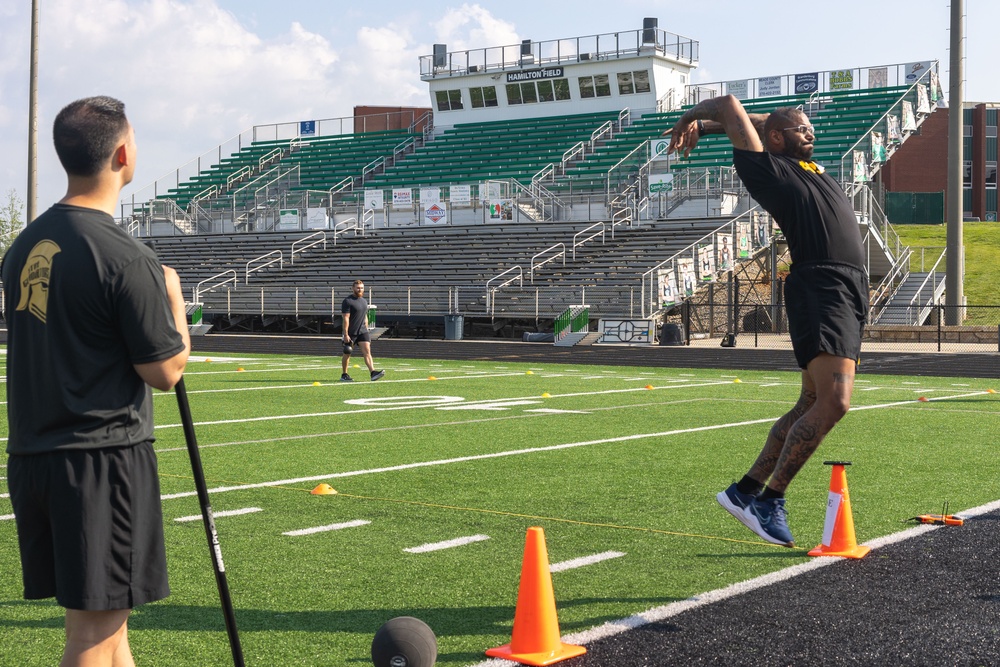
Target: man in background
[
  {"x": 354, "y": 308},
  {"x": 93, "y": 322}
]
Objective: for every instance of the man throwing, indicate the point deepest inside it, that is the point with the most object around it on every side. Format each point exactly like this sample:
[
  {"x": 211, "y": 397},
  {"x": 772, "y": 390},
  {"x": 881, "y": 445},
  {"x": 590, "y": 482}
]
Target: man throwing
[
  {"x": 355, "y": 311},
  {"x": 826, "y": 293}
]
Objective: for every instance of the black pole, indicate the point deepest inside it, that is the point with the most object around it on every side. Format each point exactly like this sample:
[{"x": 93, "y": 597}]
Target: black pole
[{"x": 209, "y": 520}]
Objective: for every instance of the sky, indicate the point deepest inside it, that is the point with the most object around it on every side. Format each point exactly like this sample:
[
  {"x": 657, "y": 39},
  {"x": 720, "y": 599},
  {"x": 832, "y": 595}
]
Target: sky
[{"x": 196, "y": 73}]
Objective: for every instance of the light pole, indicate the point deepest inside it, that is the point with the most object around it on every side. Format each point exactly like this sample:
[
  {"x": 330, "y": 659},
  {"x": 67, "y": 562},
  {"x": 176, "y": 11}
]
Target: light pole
[
  {"x": 33, "y": 117},
  {"x": 953, "y": 283}
]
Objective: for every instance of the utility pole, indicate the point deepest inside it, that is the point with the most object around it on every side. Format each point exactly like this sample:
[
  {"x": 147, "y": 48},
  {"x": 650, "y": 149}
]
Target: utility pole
[
  {"x": 33, "y": 118},
  {"x": 954, "y": 295}
]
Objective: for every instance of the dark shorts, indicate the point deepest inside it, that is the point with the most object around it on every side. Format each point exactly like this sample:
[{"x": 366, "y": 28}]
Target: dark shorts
[
  {"x": 361, "y": 336},
  {"x": 90, "y": 527},
  {"x": 827, "y": 305}
]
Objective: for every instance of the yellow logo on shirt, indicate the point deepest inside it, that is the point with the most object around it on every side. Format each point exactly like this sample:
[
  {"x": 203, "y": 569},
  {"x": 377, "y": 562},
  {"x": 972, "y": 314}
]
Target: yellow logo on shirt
[
  {"x": 35, "y": 279},
  {"x": 814, "y": 167}
]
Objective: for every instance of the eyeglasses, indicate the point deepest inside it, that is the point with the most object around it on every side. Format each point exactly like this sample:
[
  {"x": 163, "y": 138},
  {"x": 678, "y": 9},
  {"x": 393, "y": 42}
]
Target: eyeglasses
[{"x": 801, "y": 129}]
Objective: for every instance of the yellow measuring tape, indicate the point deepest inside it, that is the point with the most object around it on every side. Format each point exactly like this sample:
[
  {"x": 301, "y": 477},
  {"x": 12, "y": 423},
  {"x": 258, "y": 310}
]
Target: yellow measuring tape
[{"x": 533, "y": 517}]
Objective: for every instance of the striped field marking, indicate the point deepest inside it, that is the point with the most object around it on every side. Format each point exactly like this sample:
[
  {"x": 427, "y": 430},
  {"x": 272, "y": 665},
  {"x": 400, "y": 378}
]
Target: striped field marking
[
  {"x": 584, "y": 561},
  {"x": 656, "y": 614},
  {"x": 7, "y": 517},
  {"x": 531, "y": 450},
  {"x": 447, "y": 544},
  {"x": 324, "y": 529},
  {"x": 245, "y": 510}
]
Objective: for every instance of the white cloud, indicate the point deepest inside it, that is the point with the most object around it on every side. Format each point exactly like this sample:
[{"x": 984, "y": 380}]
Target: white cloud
[{"x": 192, "y": 75}]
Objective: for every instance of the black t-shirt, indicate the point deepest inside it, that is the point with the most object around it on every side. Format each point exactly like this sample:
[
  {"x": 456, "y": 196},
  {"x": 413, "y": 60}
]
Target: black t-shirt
[
  {"x": 84, "y": 302},
  {"x": 357, "y": 307},
  {"x": 809, "y": 206}
]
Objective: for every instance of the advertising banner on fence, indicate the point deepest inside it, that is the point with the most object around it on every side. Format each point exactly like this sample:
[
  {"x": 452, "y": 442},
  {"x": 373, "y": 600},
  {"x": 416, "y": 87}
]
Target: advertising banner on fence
[
  {"x": 806, "y": 83},
  {"x": 660, "y": 183},
  {"x": 737, "y": 89},
  {"x": 914, "y": 71},
  {"x": 436, "y": 214},
  {"x": 288, "y": 218},
  {"x": 841, "y": 79},
  {"x": 316, "y": 218},
  {"x": 501, "y": 209},
  {"x": 460, "y": 195},
  {"x": 429, "y": 196},
  {"x": 374, "y": 200},
  {"x": 769, "y": 86},
  {"x": 402, "y": 198}
]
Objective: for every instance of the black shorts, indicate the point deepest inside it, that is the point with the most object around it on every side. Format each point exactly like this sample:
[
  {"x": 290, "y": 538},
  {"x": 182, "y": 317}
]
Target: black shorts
[
  {"x": 90, "y": 527},
  {"x": 827, "y": 306},
  {"x": 361, "y": 336}
]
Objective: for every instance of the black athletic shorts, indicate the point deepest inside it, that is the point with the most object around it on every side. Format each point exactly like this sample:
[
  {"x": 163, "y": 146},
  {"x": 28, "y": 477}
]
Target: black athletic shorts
[
  {"x": 827, "y": 305},
  {"x": 90, "y": 526},
  {"x": 361, "y": 336}
]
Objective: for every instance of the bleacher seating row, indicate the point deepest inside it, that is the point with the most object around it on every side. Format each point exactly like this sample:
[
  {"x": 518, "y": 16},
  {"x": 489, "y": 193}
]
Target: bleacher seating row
[
  {"x": 517, "y": 149},
  {"x": 425, "y": 259}
]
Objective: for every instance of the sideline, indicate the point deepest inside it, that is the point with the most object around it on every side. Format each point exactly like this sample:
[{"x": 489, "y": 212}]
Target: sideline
[{"x": 656, "y": 614}]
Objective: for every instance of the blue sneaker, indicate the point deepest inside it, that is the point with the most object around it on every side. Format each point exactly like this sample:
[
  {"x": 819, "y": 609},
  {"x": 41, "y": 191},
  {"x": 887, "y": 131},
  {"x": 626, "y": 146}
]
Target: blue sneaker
[
  {"x": 735, "y": 502},
  {"x": 768, "y": 518}
]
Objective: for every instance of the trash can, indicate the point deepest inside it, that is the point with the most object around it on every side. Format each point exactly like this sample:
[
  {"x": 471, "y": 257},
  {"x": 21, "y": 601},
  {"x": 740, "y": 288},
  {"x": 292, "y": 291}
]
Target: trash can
[
  {"x": 453, "y": 327},
  {"x": 372, "y": 311}
]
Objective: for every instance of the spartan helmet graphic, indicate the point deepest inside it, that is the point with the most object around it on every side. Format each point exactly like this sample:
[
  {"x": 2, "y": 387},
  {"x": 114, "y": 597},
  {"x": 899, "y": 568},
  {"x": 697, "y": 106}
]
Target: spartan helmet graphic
[{"x": 35, "y": 279}]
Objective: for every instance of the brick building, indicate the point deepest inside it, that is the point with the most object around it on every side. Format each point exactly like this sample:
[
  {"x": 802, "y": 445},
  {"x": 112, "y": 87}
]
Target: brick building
[{"x": 921, "y": 164}]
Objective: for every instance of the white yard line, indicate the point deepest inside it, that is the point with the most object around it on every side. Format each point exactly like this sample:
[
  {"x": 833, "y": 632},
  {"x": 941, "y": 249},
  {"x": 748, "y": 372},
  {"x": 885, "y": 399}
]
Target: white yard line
[
  {"x": 584, "y": 561},
  {"x": 447, "y": 544},
  {"x": 323, "y": 529},
  {"x": 197, "y": 517}
]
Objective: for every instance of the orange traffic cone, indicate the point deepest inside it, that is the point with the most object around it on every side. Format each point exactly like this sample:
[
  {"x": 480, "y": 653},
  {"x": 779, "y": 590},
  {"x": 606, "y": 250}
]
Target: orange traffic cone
[
  {"x": 535, "y": 639},
  {"x": 838, "y": 529}
]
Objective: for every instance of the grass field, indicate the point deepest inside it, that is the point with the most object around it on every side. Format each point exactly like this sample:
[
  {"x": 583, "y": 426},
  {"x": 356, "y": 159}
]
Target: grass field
[
  {"x": 606, "y": 460},
  {"x": 982, "y": 252}
]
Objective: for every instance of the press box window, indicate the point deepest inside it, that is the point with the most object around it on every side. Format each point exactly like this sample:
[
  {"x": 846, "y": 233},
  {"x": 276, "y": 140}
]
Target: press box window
[
  {"x": 483, "y": 97},
  {"x": 967, "y": 175},
  {"x": 595, "y": 86},
  {"x": 449, "y": 100},
  {"x": 991, "y": 175},
  {"x": 633, "y": 82},
  {"x": 541, "y": 91}
]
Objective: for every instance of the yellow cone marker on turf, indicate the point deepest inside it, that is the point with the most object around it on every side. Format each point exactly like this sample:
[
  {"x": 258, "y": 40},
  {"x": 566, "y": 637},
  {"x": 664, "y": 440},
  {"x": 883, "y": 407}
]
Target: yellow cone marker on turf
[
  {"x": 324, "y": 490},
  {"x": 315, "y": 384},
  {"x": 546, "y": 395},
  {"x": 737, "y": 381},
  {"x": 240, "y": 369},
  {"x": 649, "y": 386},
  {"x": 991, "y": 391},
  {"x": 529, "y": 372},
  {"x": 432, "y": 378}
]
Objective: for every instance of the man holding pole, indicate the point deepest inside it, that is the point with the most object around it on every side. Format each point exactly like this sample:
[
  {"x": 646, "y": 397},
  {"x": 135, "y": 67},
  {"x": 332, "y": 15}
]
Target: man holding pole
[{"x": 93, "y": 322}]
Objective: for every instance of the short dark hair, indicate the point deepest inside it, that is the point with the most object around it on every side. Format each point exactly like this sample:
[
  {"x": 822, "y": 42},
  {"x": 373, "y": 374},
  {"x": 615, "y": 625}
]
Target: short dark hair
[
  {"x": 782, "y": 118},
  {"x": 357, "y": 282},
  {"x": 86, "y": 133}
]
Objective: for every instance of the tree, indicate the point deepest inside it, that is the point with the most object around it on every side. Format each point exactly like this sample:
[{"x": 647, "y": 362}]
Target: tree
[{"x": 11, "y": 219}]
